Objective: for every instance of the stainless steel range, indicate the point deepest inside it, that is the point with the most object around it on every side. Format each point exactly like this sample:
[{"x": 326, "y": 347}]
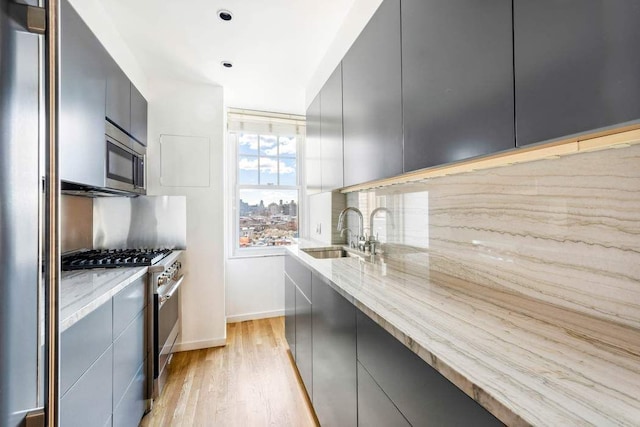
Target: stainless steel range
[{"x": 166, "y": 277}]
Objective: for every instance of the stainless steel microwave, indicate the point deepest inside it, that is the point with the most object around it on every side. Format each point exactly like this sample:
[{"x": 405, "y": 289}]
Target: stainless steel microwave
[{"x": 125, "y": 161}]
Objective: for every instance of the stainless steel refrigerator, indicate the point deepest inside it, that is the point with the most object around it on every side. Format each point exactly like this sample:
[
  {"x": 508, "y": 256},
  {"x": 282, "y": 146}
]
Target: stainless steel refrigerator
[{"x": 22, "y": 202}]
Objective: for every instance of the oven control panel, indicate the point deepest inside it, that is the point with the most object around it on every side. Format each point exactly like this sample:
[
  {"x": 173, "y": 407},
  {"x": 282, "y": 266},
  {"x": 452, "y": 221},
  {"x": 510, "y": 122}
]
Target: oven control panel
[{"x": 172, "y": 273}]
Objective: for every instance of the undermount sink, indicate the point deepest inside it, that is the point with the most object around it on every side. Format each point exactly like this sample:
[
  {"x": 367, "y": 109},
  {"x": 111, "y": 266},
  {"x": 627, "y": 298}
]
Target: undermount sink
[{"x": 325, "y": 253}]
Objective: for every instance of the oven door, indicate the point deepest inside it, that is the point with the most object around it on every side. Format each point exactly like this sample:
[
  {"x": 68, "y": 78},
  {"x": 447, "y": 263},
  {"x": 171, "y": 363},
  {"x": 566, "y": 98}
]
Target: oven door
[
  {"x": 166, "y": 331},
  {"x": 121, "y": 167}
]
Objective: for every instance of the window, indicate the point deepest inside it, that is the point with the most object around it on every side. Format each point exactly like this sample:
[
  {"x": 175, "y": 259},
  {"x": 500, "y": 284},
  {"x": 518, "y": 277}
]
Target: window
[{"x": 267, "y": 190}]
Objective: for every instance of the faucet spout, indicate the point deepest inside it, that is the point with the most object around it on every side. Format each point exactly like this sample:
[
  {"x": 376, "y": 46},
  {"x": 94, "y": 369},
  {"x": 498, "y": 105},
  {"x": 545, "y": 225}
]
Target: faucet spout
[{"x": 343, "y": 214}]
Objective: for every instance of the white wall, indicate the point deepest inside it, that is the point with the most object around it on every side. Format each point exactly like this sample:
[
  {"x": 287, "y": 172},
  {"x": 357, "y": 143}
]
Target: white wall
[
  {"x": 189, "y": 109},
  {"x": 255, "y": 288},
  {"x": 355, "y": 21},
  {"x": 95, "y": 16}
]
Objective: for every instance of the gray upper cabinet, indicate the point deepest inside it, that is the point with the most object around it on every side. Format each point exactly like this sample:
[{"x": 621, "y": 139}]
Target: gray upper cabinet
[
  {"x": 331, "y": 132},
  {"x": 82, "y": 101},
  {"x": 334, "y": 356},
  {"x": 372, "y": 99},
  {"x": 312, "y": 149},
  {"x": 138, "y": 116},
  {"x": 457, "y": 80},
  {"x": 577, "y": 64},
  {"x": 118, "y": 109}
]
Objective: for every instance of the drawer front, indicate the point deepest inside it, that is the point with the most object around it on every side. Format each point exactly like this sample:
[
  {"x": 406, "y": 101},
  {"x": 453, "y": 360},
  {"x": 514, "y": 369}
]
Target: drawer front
[
  {"x": 131, "y": 408},
  {"x": 300, "y": 275},
  {"x": 128, "y": 355},
  {"x": 83, "y": 343},
  {"x": 375, "y": 409},
  {"x": 290, "y": 314},
  {"x": 88, "y": 402},
  {"x": 420, "y": 392},
  {"x": 127, "y": 304},
  {"x": 304, "y": 354}
]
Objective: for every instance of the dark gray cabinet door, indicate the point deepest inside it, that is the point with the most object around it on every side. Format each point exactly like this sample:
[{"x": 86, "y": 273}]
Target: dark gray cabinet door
[
  {"x": 372, "y": 104},
  {"x": 423, "y": 395},
  {"x": 138, "y": 116},
  {"x": 577, "y": 64},
  {"x": 128, "y": 356},
  {"x": 290, "y": 314},
  {"x": 118, "y": 109},
  {"x": 313, "y": 152},
  {"x": 299, "y": 274},
  {"x": 331, "y": 132},
  {"x": 375, "y": 409},
  {"x": 82, "y": 101},
  {"x": 304, "y": 354},
  {"x": 334, "y": 356},
  {"x": 457, "y": 80}
]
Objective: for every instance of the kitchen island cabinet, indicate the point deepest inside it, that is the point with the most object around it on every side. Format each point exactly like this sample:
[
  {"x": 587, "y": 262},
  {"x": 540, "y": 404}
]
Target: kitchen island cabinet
[
  {"x": 457, "y": 80},
  {"x": 577, "y": 64},
  {"x": 372, "y": 99}
]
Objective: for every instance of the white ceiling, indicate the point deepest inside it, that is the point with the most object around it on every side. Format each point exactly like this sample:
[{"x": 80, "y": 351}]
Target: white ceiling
[{"x": 275, "y": 45}]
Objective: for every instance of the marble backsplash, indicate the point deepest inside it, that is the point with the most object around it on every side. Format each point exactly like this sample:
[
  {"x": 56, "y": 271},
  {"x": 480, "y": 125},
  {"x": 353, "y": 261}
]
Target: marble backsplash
[{"x": 566, "y": 230}]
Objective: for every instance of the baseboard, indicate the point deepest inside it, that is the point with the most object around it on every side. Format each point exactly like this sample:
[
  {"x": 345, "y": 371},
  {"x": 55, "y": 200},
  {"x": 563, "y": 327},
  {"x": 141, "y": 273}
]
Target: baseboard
[
  {"x": 198, "y": 345},
  {"x": 254, "y": 316}
]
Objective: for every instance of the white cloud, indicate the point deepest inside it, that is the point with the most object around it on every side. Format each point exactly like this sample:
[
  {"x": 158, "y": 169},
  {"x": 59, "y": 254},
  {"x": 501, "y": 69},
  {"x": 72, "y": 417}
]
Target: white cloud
[{"x": 248, "y": 164}]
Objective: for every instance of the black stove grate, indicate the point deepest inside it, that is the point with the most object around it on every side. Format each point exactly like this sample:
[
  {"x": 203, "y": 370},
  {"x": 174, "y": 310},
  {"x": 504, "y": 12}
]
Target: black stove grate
[{"x": 112, "y": 258}]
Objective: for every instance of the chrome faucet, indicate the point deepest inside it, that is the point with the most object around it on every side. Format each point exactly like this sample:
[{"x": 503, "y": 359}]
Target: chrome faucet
[
  {"x": 360, "y": 236},
  {"x": 373, "y": 242}
]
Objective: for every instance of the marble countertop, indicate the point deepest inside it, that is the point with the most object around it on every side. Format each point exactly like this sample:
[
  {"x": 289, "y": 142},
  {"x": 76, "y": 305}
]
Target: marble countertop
[
  {"x": 83, "y": 291},
  {"x": 527, "y": 362}
]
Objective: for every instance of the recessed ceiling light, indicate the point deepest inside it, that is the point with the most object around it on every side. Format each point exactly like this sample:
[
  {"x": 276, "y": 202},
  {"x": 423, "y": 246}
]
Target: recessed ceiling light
[
  {"x": 225, "y": 15},
  {"x": 227, "y": 64}
]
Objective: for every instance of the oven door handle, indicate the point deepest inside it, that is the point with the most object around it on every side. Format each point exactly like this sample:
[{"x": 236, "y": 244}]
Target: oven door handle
[{"x": 164, "y": 298}]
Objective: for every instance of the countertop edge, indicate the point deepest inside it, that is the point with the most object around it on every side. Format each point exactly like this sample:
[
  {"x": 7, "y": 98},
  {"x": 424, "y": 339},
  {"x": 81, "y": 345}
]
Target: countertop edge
[{"x": 81, "y": 313}]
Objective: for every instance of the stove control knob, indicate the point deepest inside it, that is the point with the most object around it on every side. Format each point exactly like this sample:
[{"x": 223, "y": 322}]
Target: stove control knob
[{"x": 162, "y": 279}]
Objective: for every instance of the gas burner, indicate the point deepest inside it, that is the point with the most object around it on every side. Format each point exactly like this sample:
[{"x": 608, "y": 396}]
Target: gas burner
[{"x": 112, "y": 258}]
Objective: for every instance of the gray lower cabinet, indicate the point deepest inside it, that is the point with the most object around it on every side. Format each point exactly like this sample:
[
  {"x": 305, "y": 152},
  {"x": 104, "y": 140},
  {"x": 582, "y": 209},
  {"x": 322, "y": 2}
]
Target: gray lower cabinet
[
  {"x": 82, "y": 101},
  {"x": 128, "y": 356},
  {"x": 82, "y": 344},
  {"x": 372, "y": 99},
  {"x": 103, "y": 362},
  {"x": 290, "y": 314},
  {"x": 334, "y": 356},
  {"x": 304, "y": 355},
  {"x": 131, "y": 408},
  {"x": 577, "y": 64},
  {"x": 457, "y": 80},
  {"x": 421, "y": 394},
  {"x": 375, "y": 409},
  {"x": 88, "y": 402}
]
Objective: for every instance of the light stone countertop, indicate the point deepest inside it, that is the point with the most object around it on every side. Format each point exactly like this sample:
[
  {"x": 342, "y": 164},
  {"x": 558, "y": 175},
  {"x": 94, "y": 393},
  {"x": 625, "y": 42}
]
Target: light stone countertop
[
  {"x": 82, "y": 291},
  {"x": 526, "y": 361}
]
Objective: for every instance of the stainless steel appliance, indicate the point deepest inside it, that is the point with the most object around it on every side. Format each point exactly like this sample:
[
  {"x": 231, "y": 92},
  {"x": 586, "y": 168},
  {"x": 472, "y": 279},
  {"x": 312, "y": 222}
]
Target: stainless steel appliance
[
  {"x": 112, "y": 258},
  {"x": 166, "y": 278},
  {"x": 125, "y": 164},
  {"x": 22, "y": 202}
]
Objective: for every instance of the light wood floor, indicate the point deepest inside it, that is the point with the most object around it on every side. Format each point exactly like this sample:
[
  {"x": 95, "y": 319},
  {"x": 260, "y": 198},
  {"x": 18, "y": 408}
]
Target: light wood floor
[{"x": 249, "y": 382}]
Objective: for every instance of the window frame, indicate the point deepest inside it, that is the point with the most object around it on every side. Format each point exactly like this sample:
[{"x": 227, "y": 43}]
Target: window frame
[{"x": 233, "y": 138}]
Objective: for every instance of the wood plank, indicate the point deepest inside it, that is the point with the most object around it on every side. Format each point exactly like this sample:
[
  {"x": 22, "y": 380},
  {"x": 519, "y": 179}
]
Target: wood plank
[{"x": 251, "y": 381}]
